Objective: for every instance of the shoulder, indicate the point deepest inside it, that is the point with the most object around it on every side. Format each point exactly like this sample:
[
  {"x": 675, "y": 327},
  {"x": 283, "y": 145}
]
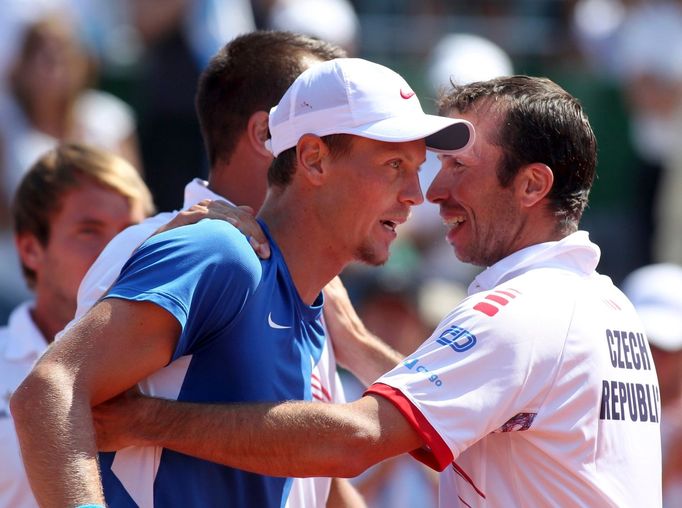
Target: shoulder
[
  {"x": 522, "y": 310},
  {"x": 208, "y": 249},
  {"x": 108, "y": 264},
  {"x": 125, "y": 243},
  {"x": 212, "y": 236}
]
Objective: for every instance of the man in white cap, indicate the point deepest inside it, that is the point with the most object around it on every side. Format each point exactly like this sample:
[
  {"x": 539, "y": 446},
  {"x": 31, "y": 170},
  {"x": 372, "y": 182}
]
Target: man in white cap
[{"x": 349, "y": 137}]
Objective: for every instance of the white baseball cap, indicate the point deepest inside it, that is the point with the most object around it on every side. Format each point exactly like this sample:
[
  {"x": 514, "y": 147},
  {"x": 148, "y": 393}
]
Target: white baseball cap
[
  {"x": 355, "y": 96},
  {"x": 654, "y": 290}
]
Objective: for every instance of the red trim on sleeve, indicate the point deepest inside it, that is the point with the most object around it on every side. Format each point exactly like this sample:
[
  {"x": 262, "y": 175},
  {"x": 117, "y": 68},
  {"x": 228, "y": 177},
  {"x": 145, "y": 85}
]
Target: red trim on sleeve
[
  {"x": 497, "y": 299},
  {"x": 486, "y": 308},
  {"x": 435, "y": 453}
]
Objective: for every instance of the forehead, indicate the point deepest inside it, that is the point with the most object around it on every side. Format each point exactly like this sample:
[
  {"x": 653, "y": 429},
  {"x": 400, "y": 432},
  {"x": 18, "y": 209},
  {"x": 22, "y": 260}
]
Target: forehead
[
  {"x": 486, "y": 119},
  {"x": 411, "y": 151},
  {"x": 92, "y": 200}
]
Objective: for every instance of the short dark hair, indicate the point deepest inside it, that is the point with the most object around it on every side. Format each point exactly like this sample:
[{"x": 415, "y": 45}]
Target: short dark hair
[
  {"x": 283, "y": 166},
  {"x": 249, "y": 74},
  {"x": 539, "y": 122}
]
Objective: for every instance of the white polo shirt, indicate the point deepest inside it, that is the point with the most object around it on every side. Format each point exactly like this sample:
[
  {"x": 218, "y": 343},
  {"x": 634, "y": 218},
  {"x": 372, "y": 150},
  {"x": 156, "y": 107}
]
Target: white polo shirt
[
  {"x": 21, "y": 343},
  {"x": 539, "y": 389},
  {"x": 326, "y": 386}
]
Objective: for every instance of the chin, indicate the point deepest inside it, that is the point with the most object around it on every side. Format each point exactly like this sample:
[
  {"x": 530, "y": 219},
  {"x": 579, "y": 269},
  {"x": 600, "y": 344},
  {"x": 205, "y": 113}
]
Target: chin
[
  {"x": 370, "y": 256},
  {"x": 467, "y": 258}
]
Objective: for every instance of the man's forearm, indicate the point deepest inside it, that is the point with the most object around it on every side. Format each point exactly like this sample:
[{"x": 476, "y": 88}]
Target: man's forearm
[
  {"x": 356, "y": 348},
  {"x": 370, "y": 358},
  {"x": 342, "y": 494},
  {"x": 284, "y": 439},
  {"x": 57, "y": 440}
]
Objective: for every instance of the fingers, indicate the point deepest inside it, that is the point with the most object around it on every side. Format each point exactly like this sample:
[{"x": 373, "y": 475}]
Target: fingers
[
  {"x": 241, "y": 217},
  {"x": 262, "y": 250},
  {"x": 247, "y": 209}
]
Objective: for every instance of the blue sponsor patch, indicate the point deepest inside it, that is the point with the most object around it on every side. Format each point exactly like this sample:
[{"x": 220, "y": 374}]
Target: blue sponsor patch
[
  {"x": 457, "y": 338},
  {"x": 412, "y": 365}
]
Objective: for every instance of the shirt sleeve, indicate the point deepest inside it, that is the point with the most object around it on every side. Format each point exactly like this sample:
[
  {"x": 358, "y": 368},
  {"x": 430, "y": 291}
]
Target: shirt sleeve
[
  {"x": 202, "y": 274},
  {"x": 474, "y": 374}
]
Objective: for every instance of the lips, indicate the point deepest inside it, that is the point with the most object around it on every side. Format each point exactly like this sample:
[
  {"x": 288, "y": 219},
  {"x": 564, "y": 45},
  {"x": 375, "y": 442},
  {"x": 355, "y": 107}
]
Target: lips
[
  {"x": 454, "y": 221},
  {"x": 388, "y": 224},
  {"x": 392, "y": 223}
]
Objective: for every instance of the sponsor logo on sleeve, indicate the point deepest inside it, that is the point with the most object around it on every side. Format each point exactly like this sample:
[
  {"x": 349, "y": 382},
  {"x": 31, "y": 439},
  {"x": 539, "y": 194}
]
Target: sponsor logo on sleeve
[
  {"x": 415, "y": 365},
  {"x": 457, "y": 338}
]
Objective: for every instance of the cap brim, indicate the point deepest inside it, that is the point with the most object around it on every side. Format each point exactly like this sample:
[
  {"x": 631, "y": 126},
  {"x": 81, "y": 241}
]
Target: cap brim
[{"x": 442, "y": 134}]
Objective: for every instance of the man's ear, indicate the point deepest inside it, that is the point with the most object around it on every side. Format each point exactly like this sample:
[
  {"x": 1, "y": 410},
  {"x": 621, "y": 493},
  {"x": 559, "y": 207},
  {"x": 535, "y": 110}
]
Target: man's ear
[
  {"x": 257, "y": 132},
  {"x": 311, "y": 152},
  {"x": 31, "y": 251},
  {"x": 533, "y": 183}
]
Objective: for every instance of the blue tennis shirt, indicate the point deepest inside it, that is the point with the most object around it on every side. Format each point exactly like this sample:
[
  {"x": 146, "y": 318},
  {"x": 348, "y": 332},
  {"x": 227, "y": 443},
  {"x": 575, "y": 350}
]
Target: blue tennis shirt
[{"x": 246, "y": 336}]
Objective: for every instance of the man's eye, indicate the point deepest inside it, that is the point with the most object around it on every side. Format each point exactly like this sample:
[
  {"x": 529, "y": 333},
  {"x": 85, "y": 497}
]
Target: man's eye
[
  {"x": 88, "y": 231},
  {"x": 450, "y": 160},
  {"x": 394, "y": 164}
]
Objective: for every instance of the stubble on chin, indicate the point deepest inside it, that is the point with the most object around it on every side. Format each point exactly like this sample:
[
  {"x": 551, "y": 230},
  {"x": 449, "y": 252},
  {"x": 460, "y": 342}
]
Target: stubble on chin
[{"x": 369, "y": 256}]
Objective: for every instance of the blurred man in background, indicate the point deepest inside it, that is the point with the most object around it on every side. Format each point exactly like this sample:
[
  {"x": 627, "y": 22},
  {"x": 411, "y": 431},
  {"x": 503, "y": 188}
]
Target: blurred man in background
[
  {"x": 655, "y": 293},
  {"x": 68, "y": 206}
]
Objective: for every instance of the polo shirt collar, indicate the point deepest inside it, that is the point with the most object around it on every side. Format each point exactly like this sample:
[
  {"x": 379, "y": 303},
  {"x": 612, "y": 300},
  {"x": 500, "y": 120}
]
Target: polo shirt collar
[
  {"x": 25, "y": 340},
  {"x": 575, "y": 253},
  {"x": 197, "y": 190}
]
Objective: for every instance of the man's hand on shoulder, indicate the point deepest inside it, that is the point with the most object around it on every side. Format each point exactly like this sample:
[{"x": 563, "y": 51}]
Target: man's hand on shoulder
[{"x": 241, "y": 217}]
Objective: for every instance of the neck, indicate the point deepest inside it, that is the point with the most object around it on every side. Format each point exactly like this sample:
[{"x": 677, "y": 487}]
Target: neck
[
  {"x": 242, "y": 179},
  {"x": 50, "y": 118},
  {"x": 308, "y": 252},
  {"x": 540, "y": 228},
  {"x": 51, "y": 319}
]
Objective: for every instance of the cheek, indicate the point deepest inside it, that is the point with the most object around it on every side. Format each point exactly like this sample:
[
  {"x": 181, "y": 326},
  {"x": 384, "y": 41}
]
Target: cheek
[{"x": 76, "y": 256}]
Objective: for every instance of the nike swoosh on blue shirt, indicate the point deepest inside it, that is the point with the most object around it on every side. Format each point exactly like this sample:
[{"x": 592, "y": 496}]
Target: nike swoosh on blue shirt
[{"x": 275, "y": 325}]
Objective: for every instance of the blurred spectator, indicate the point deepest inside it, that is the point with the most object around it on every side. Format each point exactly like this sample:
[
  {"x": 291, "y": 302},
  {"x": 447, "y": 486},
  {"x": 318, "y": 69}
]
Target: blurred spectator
[
  {"x": 68, "y": 206},
  {"x": 655, "y": 292},
  {"x": 179, "y": 37},
  {"x": 638, "y": 44},
  {"x": 465, "y": 58},
  {"x": 334, "y": 21},
  {"x": 595, "y": 26},
  {"x": 48, "y": 99},
  {"x": 668, "y": 207},
  {"x": 650, "y": 60}
]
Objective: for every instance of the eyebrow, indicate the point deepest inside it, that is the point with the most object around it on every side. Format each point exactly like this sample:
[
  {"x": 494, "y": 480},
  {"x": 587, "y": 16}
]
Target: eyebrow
[{"x": 90, "y": 221}]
